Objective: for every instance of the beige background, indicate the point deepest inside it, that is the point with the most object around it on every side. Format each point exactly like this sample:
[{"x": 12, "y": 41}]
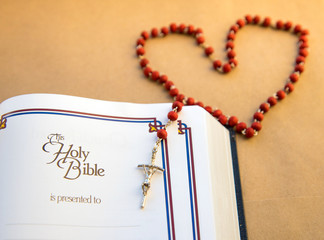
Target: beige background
[{"x": 86, "y": 48}]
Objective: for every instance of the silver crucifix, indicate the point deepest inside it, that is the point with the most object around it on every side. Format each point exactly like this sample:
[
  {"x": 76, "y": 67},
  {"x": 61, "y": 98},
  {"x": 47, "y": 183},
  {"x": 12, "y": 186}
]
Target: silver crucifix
[{"x": 149, "y": 170}]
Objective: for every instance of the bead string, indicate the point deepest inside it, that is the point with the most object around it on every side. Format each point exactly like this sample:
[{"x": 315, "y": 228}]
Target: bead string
[
  {"x": 150, "y": 169},
  {"x": 197, "y": 33}
]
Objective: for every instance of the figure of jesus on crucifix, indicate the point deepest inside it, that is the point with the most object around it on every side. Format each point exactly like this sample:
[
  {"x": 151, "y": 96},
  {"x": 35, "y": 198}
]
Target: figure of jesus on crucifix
[{"x": 149, "y": 170}]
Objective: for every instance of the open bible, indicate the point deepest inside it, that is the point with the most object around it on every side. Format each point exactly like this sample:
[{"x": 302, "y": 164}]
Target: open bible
[{"x": 69, "y": 170}]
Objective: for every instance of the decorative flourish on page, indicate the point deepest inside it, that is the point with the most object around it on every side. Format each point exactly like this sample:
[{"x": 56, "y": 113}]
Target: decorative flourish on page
[
  {"x": 186, "y": 131},
  {"x": 3, "y": 123},
  {"x": 149, "y": 170},
  {"x": 155, "y": 126},
  {"x": 181, "y": 129}
]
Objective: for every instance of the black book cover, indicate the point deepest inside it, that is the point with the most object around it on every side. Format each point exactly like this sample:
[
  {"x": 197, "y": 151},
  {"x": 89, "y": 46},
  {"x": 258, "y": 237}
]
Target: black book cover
[{"x": 238, "y": 190}]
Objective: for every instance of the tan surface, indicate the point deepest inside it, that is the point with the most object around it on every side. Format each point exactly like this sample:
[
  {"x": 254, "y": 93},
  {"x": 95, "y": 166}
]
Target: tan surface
[{"x": 86, "y": 48}]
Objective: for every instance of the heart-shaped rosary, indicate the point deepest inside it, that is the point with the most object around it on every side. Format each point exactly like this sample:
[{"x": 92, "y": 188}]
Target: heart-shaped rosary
[{"x": 181, "y": 100}]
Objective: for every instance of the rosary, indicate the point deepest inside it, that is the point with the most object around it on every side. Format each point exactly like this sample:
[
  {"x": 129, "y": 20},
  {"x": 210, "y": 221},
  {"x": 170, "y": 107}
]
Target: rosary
[{"x": 180, "y": 100}]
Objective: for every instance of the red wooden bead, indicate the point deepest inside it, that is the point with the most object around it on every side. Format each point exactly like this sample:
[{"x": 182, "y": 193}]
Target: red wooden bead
[
  {"x": 172, "y": 115},
  {"x": 227, "y": 68},
  {"x": 162, "y": 133},
  {"x": 249, "y": 132},
  {"x": 281, "y": 94},
  {"x": 163, "y": 79},
  {"x": 289, "y": 87},
  {"x": 266, "y": 22},
  {"x": 200, "y": 40},
  {"x": 304, "y": 32},
  {"x": 256, "y": 19},
  {"x": 140, "y": 41},
  {"x": 154, "y": 32},
  {"x": 248, "y": 19},
  {"x": 229, "y": 44},
  {"x": 234, "y": 28},
  {"x": 233, "y": 61},
  {"x": 279, "y": 24},
  {"x": 180, "y": 97},
  {"x": 231, "y": 54},
  {"x": 140, "y": 51},
  {"x": 155, "y": 75},
  {"x": 145, "y": 35},
  {"x": 191, "y": 30},
  {"x": 303, "y": 39},
  {"x": 144, "y": 62},
  {"x": 177, "y": 105},
  {"x": 209, "y": 109},
  {"x": 303, "y": 45},
  {"x": 232, "y": 121},
  {"x": 241, "y": 23},
  {"x": 256, "y": 126},
  {"x": 174, "y": 92},
  {"x": 199, "y": 104},
  {"x": 209, "y": 51},
  {"x": 190, "y": 101},
  {"x": 297, "y": 29},
  {"x": 217, "y": 64},
  {"x": 181, "y": 28},
  {"x": 168, "y": 85},
  {"x": 300, "y": 59},
  {"x": 303, "y": 52},
  {"x": 287, "y": 25},
  {"x": 222, "y": 119},
  {"x": 165, "y": 31},
  {"x": 231, "y": 36},
  {"x": 258, "y": 116},
  {"x": 272, "y": 101},
  {"x": 173, "y": 27},
  {"x": 198, "y": 31},
  {"x": 217, "y": 113},
  {"x": 147, "y": 71},
  {"x": 299, "y": 68},
  {"x": 293, "y": 77},
  {"x": 264, "y": 107},
  {"x": 240, "y": 127}
]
